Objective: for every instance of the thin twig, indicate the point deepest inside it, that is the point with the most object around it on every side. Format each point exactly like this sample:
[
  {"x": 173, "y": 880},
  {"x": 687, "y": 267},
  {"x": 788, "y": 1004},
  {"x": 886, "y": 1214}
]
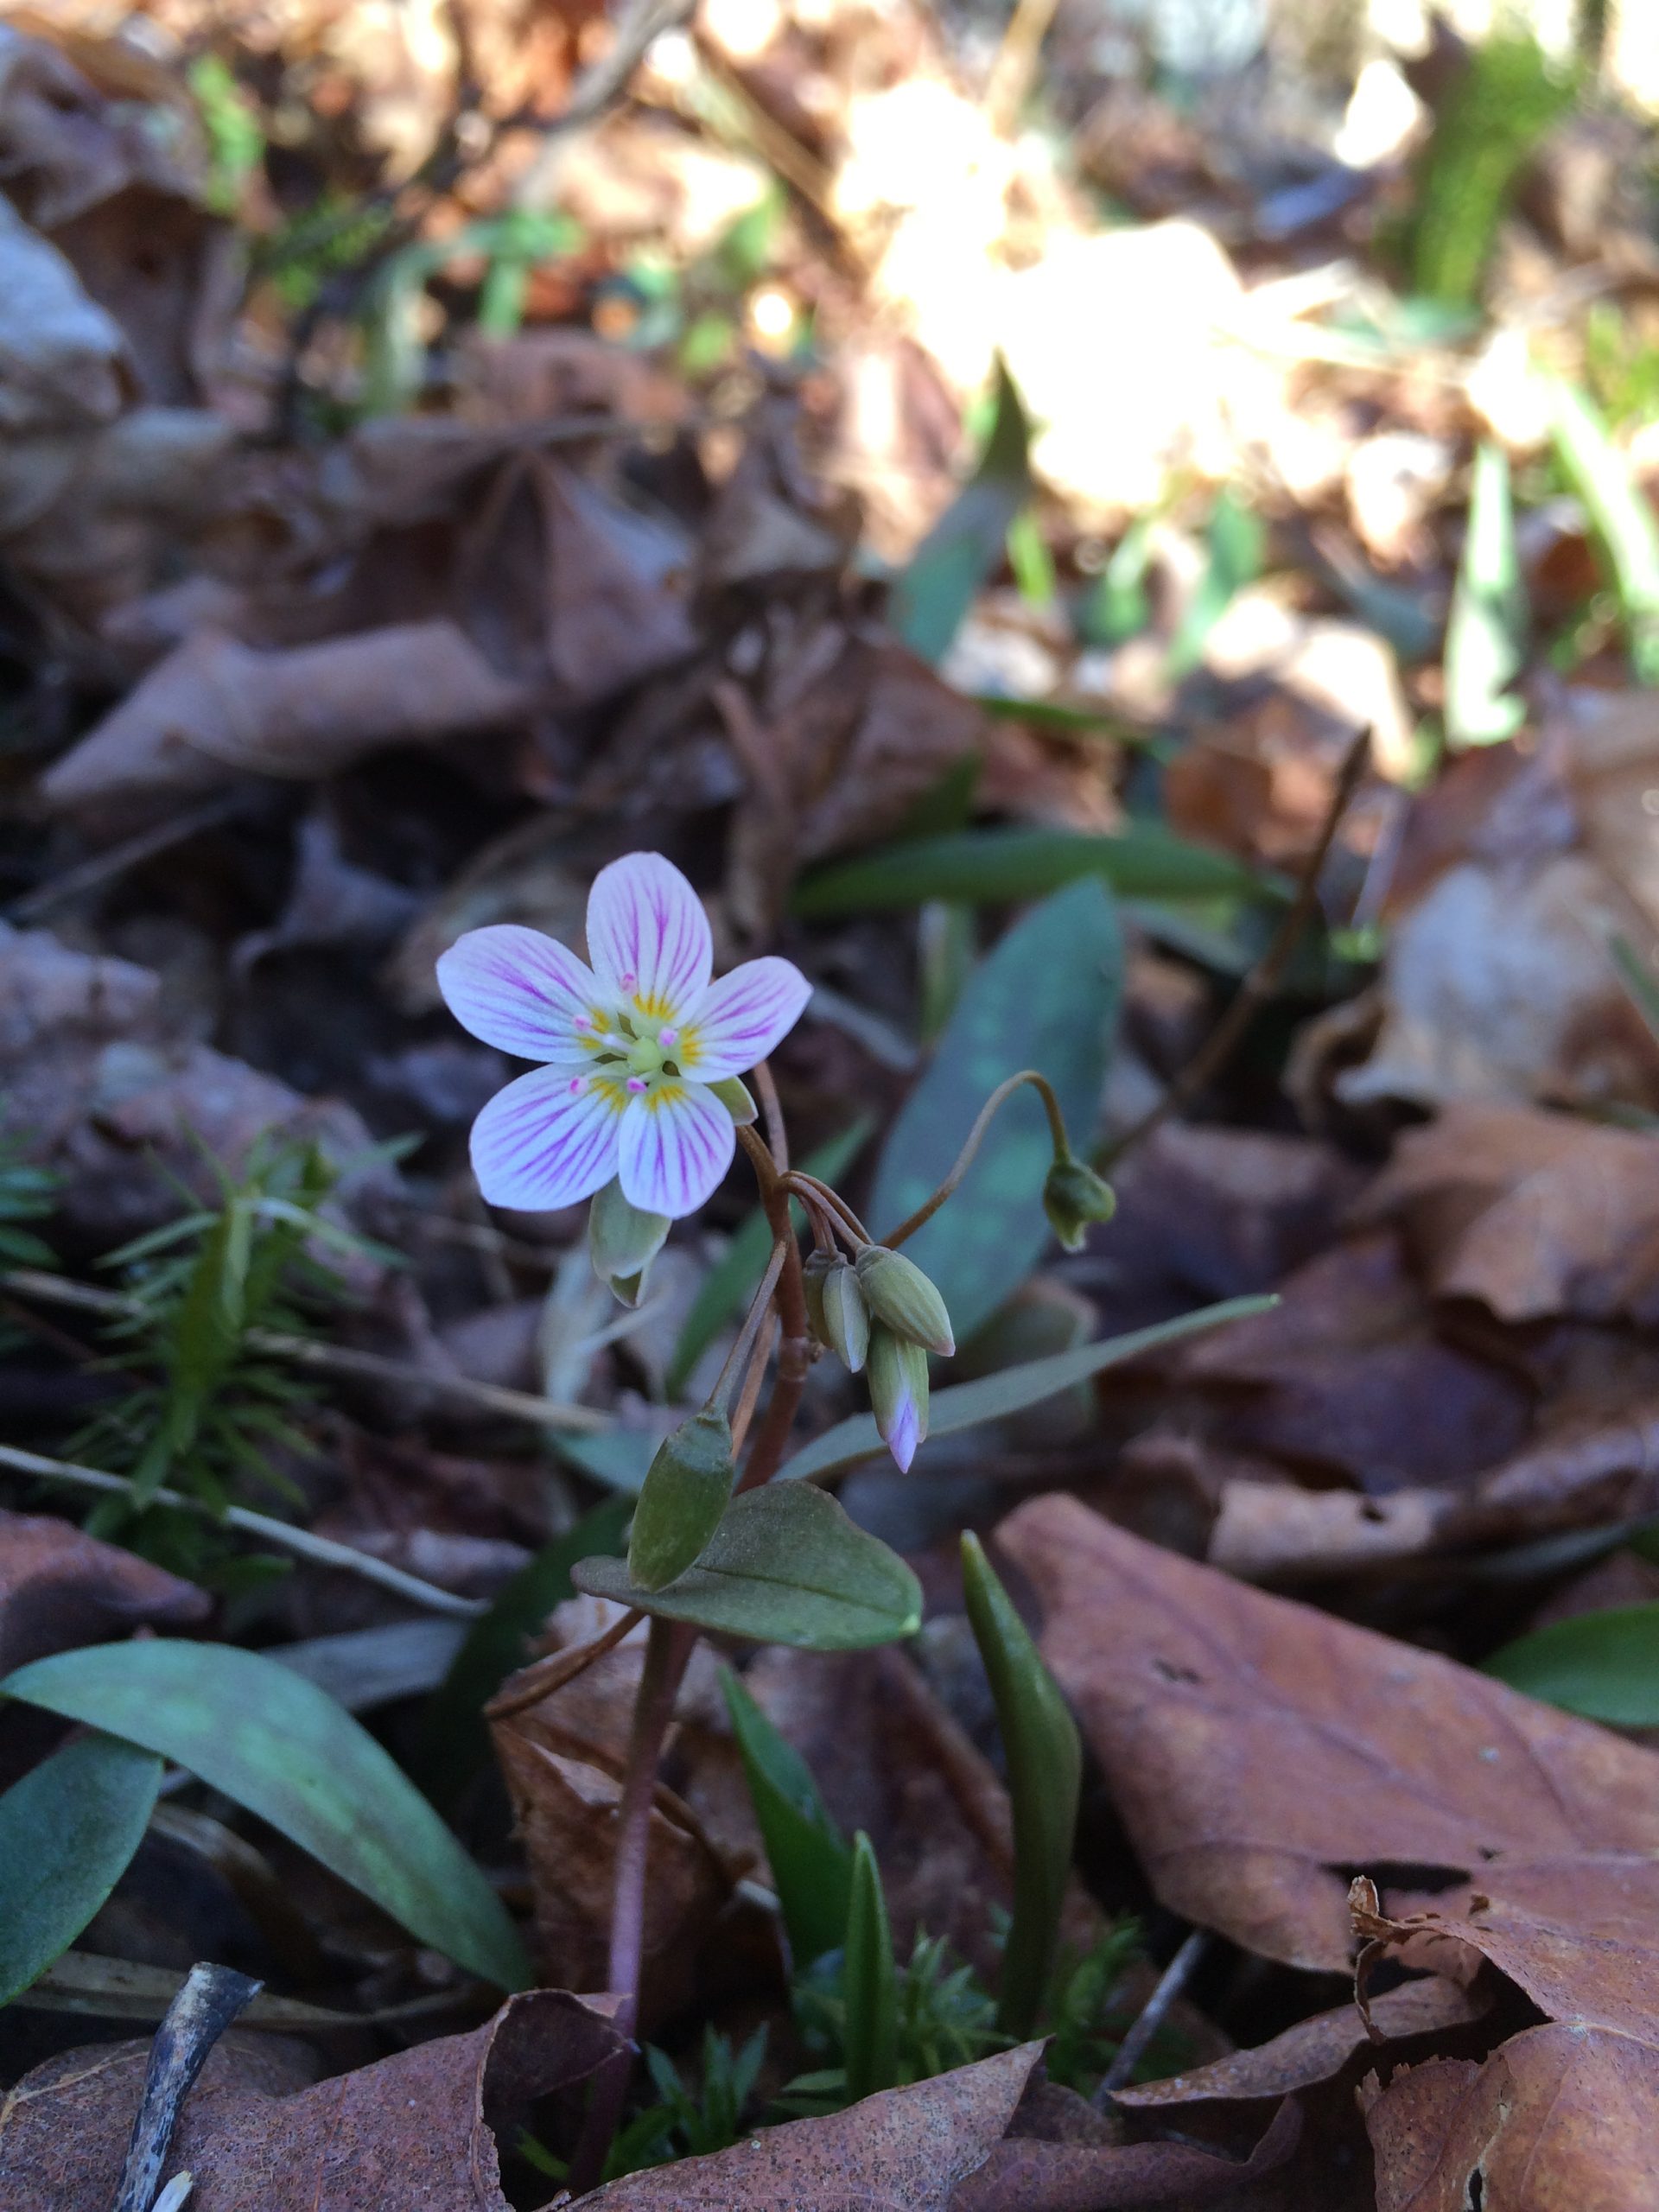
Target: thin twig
[
  {"x": 543, "y": 1676},
  {"x": 209, "y": 2000},
  {"x": 323, "y": 1549},
  {"x": 1016, "y": 61},
  {"x": 987, "y": 1115},
  {"x": 601, "y": 82},
  {"x": 750, "y": 1394},
  {"x": 1133, "y": 2047},
  {"x": 1258, "y": 987},
  {"x": 104, "y": 867},
  {"x": 328, "y": 1359}
]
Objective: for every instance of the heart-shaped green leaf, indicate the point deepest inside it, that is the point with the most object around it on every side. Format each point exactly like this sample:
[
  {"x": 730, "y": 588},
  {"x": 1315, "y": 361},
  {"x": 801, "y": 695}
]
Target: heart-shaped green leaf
[
  {"x": 785, "y": 1566},
  {"x": 284, "y": 1749},
  {"x": 1602, "y": 1665},
  {"x": 67, "y": 1831},
  {"x": 993, "y": 1397},
  {"x": 1046, "y": 998}
]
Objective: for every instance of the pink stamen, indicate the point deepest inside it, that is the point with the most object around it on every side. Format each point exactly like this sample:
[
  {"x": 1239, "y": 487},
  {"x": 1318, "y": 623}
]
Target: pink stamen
[
  {"x": 582, "y": 1021},
  {"x": 629, "y": 980},
  {"x": 575, "y": 1084},
  {"x": 636, "y": 1083},
  {"x": 668, "y": 1038}
]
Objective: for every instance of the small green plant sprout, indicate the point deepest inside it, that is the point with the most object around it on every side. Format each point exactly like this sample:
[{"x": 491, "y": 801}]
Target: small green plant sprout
[
  {"x": 639, "y": 1103},
  {"x": 211, "y": 1410},
  {"x": 26, "y": 1193}
]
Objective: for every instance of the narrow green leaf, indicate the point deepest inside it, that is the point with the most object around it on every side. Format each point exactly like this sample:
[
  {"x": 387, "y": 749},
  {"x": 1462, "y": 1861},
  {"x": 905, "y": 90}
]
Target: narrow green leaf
[
  {"x": 67, "y": 1831},
  {"x": 1005, "y": 866},
  {"x": 1045, "y": 1778},
  {"x": 996, "y": 1397},
  {"x": 731, "y": 1281},
  {"x": 930, "y": 600},
  {"x": 869, "y": 1982},
  {"x": 1046, "y": 998},
  {"x": 1235, "y": 545},
  {"x": 279, "y": 1745},
  {"x": 1602, "y": 1665},
  {"x": 1639, "y": 981},
  {"x": 453, "y": 1742},
  {"x": 1620, "y": 514},
  {"x": 1486, "y": 635},
  {"x": 619, "y": 1458},
  {"x": 781, "y": 1569},
  {"x": 810, "y": 1864}
]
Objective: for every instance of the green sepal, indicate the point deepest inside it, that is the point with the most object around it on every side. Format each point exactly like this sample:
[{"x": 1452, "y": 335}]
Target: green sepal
[
  {"x": 681, "y": 1500},
  {"x": 622, "y": 1241},
  {"x": 907, "y": 1300},
  {"x": 1045, "y": 1761},
  {"x": 736, "y": 1097},
  {"x": 846, "y": 1316},
  {"x": 869, "y": 1982}
]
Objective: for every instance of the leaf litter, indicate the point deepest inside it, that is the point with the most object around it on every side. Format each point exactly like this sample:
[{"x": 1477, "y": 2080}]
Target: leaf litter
[{"x": 438, "y": 464}]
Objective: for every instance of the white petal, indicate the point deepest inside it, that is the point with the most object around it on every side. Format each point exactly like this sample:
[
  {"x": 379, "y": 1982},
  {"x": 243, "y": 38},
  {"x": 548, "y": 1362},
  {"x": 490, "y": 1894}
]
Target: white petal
[
  {"x": 519, "y": 991},
  {"x": 648, "y": 936},
  {"x": 742, "y": 1018},
  {"x": 677, "y": 1141},
  {"x": 548, "y": 1140}
]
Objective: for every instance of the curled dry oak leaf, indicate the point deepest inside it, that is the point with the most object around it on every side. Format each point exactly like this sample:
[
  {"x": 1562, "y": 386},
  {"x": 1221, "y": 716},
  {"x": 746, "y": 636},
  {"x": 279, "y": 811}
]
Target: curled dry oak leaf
[
  {"x": 417, "y": 2129},
  {"x": 904, "y": 2150},
  {"x": 1560, "y": 2119},
  {"x": 216, "y": 709},
  {"x": 1259, "y": 1751},
  {"x": 1533, "y": 1214},
  {"x": 59, "y": 1588}
]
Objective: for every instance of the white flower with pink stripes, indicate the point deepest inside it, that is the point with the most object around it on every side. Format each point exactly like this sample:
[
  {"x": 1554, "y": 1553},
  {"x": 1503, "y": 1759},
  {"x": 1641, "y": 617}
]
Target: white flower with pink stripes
[{"x": 629, "y": 1045}]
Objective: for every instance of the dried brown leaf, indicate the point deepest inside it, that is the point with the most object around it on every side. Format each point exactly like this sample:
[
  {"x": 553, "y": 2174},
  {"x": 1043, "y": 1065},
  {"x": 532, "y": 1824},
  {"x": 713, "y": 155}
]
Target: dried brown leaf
[
  {"x": 1027, "y": 2176},
  {"x": 1260, "y": 1751},
  {"x": 419, "y": 2128},
  {"x": 904, "y": 2150},
  {"x": 1533, "y": 1214},
  {"x": 1558, "y": 2120},
  {"x": 59, "y": 1588},
  {"x": 215, "y": 709}
]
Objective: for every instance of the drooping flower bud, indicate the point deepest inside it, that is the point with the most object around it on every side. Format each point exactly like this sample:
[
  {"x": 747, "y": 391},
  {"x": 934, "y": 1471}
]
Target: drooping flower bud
[
  {"x": 735, "y": 1095},
  {"x": 623, "y": 1241},
  {"x": 899, "y": 1393},
  {"x": 902, "y": 1296},
  {"x": 814, "y": 1268},
  {"x": 1073, "y": 1196},
  {"x": 681, "y": 1500},
  {"x": 846, "y": 1316}
]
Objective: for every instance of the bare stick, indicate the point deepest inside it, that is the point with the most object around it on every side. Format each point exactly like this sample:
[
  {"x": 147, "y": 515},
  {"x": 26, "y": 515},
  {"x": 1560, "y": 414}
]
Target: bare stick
[
  {"x": 1258, "y": 987},
  {"x": 988, "y": 1113},
  {"x": 543, "y": 1676},
  {"x": 321, "y": 1550},
  {"x": 327, "y": 1359},
  {"x": 667, "y": 1648},
  {"x": 104, "y": 867},
  {"x": 1016, "y": 63},
  {"x": 1133, "y": 2047},
  {"x": 209, "y": 2000}
]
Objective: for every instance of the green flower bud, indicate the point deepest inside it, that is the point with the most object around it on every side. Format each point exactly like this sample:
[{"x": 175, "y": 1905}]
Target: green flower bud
[
  {"x": 682, "y": 1501},
  {"x": 622, "y": 1242},
  {"x": 902, "y": 1296},
  {"x": 1073, "y": 1196},
  {"x": 846, "y": 1316},
  {"x": 899, "y": 1393},
  {"x": 733, "y": 1095},
  {"x": 817, "y": 1264}
]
